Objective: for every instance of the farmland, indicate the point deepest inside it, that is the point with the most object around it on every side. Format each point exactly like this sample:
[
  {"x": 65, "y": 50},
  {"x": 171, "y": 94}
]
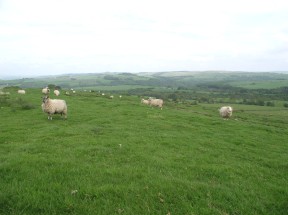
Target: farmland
[{"x": 117, "y": 156}]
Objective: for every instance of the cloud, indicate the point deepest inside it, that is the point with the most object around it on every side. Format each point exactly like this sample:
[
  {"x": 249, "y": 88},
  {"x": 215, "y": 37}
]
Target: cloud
[{"x": 142, "y": 35}]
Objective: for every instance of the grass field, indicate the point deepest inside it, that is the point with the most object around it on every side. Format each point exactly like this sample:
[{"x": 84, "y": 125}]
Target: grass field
[
  {"x": 270, "y": 84},
  {"x": 116, "y": 156}
]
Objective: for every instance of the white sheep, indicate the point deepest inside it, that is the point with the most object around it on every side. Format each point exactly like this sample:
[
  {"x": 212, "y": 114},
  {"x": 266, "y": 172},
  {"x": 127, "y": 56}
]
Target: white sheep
[
  {"x": 46, "y": 90},
  {"x": 56, "y": 92},
  {"x": 225, "y": 112},
  {"x": 21, "y": 91},
  {"x": 156, "y": 102},
  {"x": 144, "y": 101},
  {"x": 54, "y": 106}
]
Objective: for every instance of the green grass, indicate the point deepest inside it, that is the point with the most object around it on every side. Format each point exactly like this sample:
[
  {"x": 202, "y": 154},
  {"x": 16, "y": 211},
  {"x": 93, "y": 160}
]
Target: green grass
[
  {"x": 115, "y": 88},
  {"x": 126, "y": 158},
  {"x": 270, "y": 84}
]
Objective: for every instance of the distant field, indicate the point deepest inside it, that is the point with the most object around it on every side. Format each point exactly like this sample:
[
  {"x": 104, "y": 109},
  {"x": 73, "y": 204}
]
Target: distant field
[
  {"x": 114, "y": 88},
  {"x": 272, "y": 84},
  {"x": 173, "y": 79},
  {"x": 116, "y": 156}
]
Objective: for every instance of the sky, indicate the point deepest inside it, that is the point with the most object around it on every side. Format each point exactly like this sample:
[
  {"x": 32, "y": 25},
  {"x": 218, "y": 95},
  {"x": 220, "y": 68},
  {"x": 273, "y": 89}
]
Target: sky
[{"x": 52, "y": 37}]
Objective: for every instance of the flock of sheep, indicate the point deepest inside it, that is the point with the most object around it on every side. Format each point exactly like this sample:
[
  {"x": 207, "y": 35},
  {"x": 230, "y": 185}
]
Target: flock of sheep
[{"x": 59, "y": 106}]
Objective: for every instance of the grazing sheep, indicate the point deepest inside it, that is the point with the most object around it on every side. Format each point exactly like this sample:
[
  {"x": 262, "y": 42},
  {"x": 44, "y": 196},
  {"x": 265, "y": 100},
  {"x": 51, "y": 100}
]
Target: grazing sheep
[
  {"x": 46, "y": 90},
  {"x": 21, "y": 91},
  {"x": 144, "y": 101},
  {"x": 54, "y": 106},
  {"x": 225, "y": 112},
  {"x": 67, "y": 93},
  {"x": 111, "y": 97},
  {"x": 156, "y": 102},
  {"x": 56, "y": 92}
]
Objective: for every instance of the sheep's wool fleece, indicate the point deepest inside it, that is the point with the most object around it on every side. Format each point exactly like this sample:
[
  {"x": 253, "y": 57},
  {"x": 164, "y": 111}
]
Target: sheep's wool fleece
[
  {"x": 226, "y": 111},
  {"x": 143, "y": 101},
  {"x": 156, "y": 102},
  {"x": 21, "y": 91},
  {"x": 45, "y": 91},
  {"x": 53, "y": 106},
  {"x": 56, "y": 92}
]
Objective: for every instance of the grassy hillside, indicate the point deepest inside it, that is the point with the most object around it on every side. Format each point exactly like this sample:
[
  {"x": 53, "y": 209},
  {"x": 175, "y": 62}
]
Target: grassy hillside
[
  {"x": 116, "y": 156},
  {"x": 263, "y": 88},
  {"x": 161, "y": 79}
]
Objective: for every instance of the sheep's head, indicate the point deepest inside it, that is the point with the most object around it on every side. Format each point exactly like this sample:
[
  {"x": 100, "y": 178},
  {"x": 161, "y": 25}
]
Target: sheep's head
[
  {"x": 229, "y": 109},
  {"x": 45, "y": 98}
]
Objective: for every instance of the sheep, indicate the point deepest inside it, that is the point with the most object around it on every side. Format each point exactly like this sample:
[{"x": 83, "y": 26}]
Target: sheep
[
  {"x": 46, "y": 90},
  {"x": 111, "y": 97},
  {"x": 54, "y": 106},
  {"x": 21, "y": 91},
  {"x": 56, "y": 92},
  {"x": 225, "y": 112},
  {"x": 156, "y": 102},
  {"x": 144, "y": 101}
]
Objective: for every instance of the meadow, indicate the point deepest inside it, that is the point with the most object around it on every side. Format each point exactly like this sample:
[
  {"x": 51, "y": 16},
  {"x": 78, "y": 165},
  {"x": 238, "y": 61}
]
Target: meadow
[{"x": 117, "y": 156}]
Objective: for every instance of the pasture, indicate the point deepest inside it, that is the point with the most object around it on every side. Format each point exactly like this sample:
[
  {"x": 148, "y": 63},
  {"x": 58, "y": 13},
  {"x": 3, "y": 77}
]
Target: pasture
[{"x": 117, "y": 156}]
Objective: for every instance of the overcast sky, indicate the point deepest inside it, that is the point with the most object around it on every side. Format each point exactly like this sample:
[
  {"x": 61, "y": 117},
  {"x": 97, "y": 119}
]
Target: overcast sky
[{"x": 40, "y": 37}]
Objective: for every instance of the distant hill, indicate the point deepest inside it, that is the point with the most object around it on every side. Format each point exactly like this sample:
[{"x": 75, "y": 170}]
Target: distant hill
[{"x": 171, "y": 79}]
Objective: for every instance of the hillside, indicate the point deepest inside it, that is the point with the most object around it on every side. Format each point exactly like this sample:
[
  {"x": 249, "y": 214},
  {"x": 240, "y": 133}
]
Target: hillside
[
  {"x": 160, "y": 79},
  {"x": 116, "y": 156}
]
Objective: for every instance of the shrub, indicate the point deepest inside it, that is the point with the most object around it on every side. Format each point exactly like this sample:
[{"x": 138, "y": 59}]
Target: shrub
[
  {"x": 4, "y": 100},
  {"x": 24, "y": 105},
  {"x": 269, "y": 103}
]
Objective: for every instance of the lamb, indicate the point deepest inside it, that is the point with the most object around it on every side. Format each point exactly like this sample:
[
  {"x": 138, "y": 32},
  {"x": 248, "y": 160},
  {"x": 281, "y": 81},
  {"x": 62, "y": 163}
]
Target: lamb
[
  {"x": 46, "y": 90},
  {"x": 225, "y": 112},
  {"x": 146, "y": 102},
  {"x": 54, "y": 106},
  {"x": 156, "y": 102},
  {"x": 56, "y": 92},
  {"x": 21, "y": 91}
]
